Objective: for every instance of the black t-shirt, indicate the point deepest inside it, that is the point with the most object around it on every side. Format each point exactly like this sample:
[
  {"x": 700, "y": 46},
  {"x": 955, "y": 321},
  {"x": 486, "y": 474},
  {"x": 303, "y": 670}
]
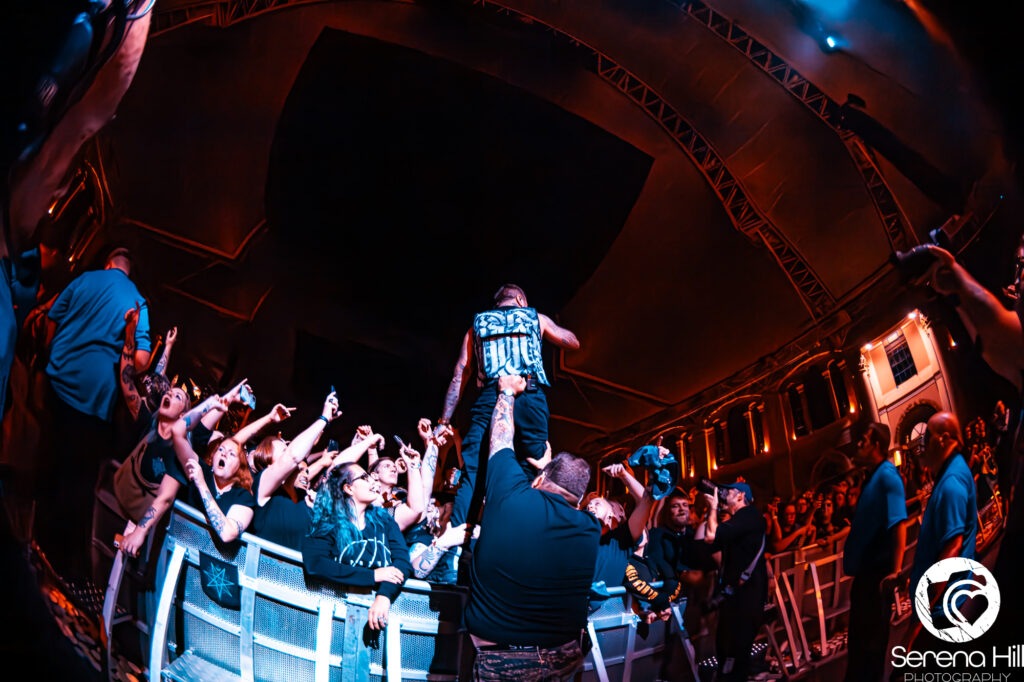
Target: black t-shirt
[
  {"x": 200, "y": 438},
  {"x": 236, "y": 494},
  {"x": 677, "y": 551},
  {"x": 534, "y": 562},
  {"x": 281, "y": 520},
  {"x": 380, "y": 544},
  {"x": 613, "y": 554},
  {"x": 159, "y": 458},
  {"x": 740, "y": 539}
]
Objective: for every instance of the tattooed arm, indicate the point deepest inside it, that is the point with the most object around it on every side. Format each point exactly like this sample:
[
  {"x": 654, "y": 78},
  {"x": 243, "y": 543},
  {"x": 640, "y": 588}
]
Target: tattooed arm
[
  {"x": 211, "y": 409},
  {"x": 560, "y": 336},
  {"x": 460, "y": 377},
  {"x": 425, "y": 557},
  {"x": 133, "y": 541},
  {"x": 127, "y": 369},
  {"x": 411, "y": 511},
  {"x": 432, "y": 441},
  {"x": 228, "y": 527},
  {"x": 161, "y": 364},
  {"x": 502, "y": 425}
]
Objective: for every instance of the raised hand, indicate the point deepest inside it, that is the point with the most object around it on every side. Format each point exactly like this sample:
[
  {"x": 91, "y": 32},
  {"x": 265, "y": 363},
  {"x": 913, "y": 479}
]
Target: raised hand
[
  {"x": 331, "y": 410},
  {"x": 514, "y": 381},
  {"x": 279, "y": 413},
  {"x": 194, "y": 471},
  {"x": 410, "y": 456},
  {"x": 362, "y": 433},
  {"x": 453, "y": 536},
  {"x": 616, "y": 470},
  {"x": 235, "y": 394},
  {"x": 543, "y": 461},
  {"x": 425, "y": 431},
  {"x": 131, "y": 320},
  {"x": 442, "y": 432}
]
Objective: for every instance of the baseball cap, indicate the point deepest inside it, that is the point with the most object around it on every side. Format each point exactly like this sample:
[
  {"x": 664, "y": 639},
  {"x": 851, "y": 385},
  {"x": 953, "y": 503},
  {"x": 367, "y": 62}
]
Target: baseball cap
[{"x": 742, "y": 486}]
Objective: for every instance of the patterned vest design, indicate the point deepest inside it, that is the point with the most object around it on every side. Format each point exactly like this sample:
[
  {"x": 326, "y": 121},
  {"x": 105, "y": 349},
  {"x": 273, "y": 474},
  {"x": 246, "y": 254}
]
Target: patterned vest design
[{"x": 508, "y": 341}]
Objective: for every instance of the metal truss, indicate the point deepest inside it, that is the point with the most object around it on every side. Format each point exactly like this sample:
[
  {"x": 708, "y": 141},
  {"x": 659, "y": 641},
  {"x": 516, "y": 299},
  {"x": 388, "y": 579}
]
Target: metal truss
[
  {"x": 743, "y": 214},
  {"x": 817, "y": 102},
  {"x": 221, "y": 13},
  {"x": 167, "y": 20}
]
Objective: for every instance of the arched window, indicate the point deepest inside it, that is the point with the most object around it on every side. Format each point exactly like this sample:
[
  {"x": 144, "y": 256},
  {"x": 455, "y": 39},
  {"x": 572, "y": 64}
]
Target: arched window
[
  {"x": 794, "y": 394},
  {"x": 739, "y": 434},
  {"x": 756, "y": 412},
  {"x": 819, "y": 398},
  {"x": 721, "y": 431},
  {"x": 835, "y": 375}
]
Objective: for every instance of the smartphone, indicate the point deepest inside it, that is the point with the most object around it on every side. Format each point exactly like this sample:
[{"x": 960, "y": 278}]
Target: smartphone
[
  {"x": 332, "y": 445},
  {"x": 247, "y": 398},
  {"x": 333, "y": 390},
  {"x": 398, "y": 439}
]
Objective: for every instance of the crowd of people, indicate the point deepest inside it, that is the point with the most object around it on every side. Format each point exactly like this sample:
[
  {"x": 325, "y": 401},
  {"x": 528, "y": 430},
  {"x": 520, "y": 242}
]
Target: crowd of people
[{"x": 536, "y": 547}]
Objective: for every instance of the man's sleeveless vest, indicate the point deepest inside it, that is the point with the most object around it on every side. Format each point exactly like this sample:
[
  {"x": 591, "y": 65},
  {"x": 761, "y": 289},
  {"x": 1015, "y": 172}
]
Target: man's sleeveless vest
[{"x": 508, "y": 341}]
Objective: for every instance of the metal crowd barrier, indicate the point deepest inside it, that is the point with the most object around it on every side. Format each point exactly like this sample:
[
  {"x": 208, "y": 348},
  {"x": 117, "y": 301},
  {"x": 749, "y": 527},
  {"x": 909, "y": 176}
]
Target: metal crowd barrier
[{"x": 247, "y": 612}]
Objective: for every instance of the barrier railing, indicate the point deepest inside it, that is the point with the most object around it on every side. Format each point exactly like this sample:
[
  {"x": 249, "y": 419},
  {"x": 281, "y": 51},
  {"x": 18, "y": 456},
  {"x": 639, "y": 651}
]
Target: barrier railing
[{"x": 248, "y": 612}]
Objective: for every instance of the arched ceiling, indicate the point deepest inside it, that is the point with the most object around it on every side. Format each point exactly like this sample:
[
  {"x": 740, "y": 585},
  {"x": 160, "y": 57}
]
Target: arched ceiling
[{"x": 324, "y": 193}]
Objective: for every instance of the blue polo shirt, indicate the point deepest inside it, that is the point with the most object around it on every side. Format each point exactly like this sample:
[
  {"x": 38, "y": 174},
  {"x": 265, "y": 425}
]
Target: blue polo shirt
[
  {"x": 882, "y": 505},
  {"x": 952, "y": 510},
  {"x": 87, "y": 343}
]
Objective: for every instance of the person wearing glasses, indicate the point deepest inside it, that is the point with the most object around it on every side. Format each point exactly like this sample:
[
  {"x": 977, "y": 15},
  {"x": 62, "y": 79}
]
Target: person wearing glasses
[
  {"x": 353, "y": 541},
  {"x": 282, "y": 514},
  {"x": 873, "y": 554}
]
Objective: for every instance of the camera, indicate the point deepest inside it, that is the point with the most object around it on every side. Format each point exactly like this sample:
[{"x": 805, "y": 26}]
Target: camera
[
  {"x": 708, "y": 487},
  {"x": 914, "y": 262}
]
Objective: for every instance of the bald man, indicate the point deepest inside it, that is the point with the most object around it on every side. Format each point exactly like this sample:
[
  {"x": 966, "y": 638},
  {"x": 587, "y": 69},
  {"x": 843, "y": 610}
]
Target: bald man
[
  {"x": 87, "y": 327},
  {"x": 949, "y": 526}
]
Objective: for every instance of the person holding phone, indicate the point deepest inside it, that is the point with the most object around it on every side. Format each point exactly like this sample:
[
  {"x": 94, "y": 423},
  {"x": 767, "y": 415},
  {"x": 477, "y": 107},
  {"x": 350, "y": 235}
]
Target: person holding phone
[
  {"x": 406, "y": 505},
  {"x": 282, "y": 514},
  {"x": 148, "y": 481}
]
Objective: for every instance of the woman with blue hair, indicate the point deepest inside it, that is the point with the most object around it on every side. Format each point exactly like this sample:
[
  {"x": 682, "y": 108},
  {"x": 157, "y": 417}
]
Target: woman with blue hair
[{"x": 353, "y": 541}]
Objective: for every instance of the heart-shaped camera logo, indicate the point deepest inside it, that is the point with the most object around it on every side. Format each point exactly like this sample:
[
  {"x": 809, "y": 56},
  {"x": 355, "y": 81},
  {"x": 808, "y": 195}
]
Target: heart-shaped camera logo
[{"x": 965, "y": 598}]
